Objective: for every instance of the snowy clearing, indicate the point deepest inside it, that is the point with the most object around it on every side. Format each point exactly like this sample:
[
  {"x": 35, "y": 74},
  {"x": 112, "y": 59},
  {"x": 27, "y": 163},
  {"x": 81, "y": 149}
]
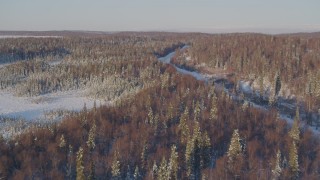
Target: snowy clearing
[{"x": 34, "y": 108}]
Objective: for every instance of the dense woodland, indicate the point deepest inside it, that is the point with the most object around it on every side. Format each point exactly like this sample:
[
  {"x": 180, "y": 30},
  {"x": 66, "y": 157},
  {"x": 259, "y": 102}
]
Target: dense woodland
[
  {"x": 163, "y": 125},
  {"x": 260, "y": 59}
]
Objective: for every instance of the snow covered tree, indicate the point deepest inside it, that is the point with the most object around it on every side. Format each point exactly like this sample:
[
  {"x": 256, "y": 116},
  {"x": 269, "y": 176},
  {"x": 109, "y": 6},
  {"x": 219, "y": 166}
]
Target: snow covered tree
[
  {"x": 293, "y": 161},
  {"x": 235, "y": 146},
  {"x": 144, "y": 155},
  {"x": 150, "y": 116},
  {"x": 170, "y": 111},
  {"x": 163, "y": 173},
  {"x": 137, "y": 175},
  {"x": 62, "y": 143},
  {"x": 197, "y": 111},
  {"x": 173, "y": 163},
  {"x": 277, "y": 84},
  {"x": 261, "y": 87},
  {"x": 92, "y": 175},
  {"x": 189, "y": 155},
  {"x": 205, "y": 150},
  {"x": 183, "y": 127},
  {"x": 276, "y": 172},
  {"x": 193, "y": 153},
  {"x": 154, "y": 170},
  {"x": 294, "y": 133},
  {"x": 69, "y": 172},
  {"x": 80, "y": 167},
  {"x": 213, "y": 110},
  {"x": 91, "y": 138},
  {"x": 115, "y": 167}
]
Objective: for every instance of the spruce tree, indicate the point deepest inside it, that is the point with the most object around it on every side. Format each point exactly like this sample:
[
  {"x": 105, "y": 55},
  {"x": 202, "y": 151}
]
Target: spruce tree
[
  {"x": 154, "y": 170},
  {"x": 197, "y": 111},
  {"x": 144, "y": 154},
  {"x": 92, "y": 175},
  {"x": 295, "y": 131},
  {"x": 183, "y": 127},
  {"x": 163, "y": 170},
  {"x": 173, "y": 163},
  {"x": 276, "y": 172},
  {"x": 277, "y": 84},
  {"x": 137, "y": 175},
  {"x": 189, "y": 156},
  {"x": 91, "y": 138},
  {"x": 235, "y": 146},
  {"x": 62, "y": 143},
  {"x": 261, "y": 87},
  {"x": 205, "y": 150},
  {"x": 293, "y": 161},
  {"x": 80, "y": 167},
  {"x": 115, "y": 167},
  {"x": 213, "y": 110}
]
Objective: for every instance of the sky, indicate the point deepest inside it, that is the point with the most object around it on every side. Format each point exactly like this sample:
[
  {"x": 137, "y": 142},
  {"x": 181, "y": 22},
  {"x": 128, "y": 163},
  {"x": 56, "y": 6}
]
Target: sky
[{"x": 269, "y": 16}]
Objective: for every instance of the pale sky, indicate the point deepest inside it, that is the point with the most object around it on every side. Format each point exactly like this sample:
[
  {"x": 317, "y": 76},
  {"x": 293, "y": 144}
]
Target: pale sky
[{"x": 161, "y": 15}]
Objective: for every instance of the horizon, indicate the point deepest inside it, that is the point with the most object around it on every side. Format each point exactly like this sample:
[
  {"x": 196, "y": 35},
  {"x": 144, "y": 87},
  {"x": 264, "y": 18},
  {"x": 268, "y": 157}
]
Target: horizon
[{"x": 204, "y": 16}]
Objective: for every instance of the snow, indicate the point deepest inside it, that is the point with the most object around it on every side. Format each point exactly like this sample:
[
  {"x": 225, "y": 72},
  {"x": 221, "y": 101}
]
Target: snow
[
  {"x": 166, "y": 59},
  {"x": 245, "y": 87},
  {"x": 2, "y": 65},
  {"x": 34, "y": 108},
  {"x": 195, "y": 74},
  {"x": 26, "y": 36}
]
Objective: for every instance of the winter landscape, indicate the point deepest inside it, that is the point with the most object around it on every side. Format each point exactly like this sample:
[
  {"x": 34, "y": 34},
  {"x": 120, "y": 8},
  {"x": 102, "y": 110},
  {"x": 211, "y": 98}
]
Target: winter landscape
[{"x": 113, "y": 101}]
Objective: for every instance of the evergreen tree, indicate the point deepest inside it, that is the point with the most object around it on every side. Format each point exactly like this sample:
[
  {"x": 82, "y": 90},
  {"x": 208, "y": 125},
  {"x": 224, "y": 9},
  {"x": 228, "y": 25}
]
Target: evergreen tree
[
  {"x": 137, "y": 175},
  {"x": 163, "y": 170},
  {"x": 213, "y": 110},
  {"x": 295, "y": 131},
  {"x": 193, "y": 153},
  {"x": 205, "y": 150},
  {"x": 170, "y": 112},
  {"x": 150, "y": 116},
  {"x": 144, "y": 154},
  {"x": 189, "y": 156},
  {"x": 277, "y": 84},
  {"x": 69, "y": 172},
  {"x": 91, "y": 138},
  {"x": 80, "y": 167},
  {"x": 276, "y": 172},
  {"x": 235, "y": 146},
  {"x": 173, "y": 163},
  {"x": 261, "y": 87},
  {"x": 92, "y": 174},
  {"x": 115, "y": 167},
  {"x": 293, "y": 161},
  {"x": 154, "y": 170},
  {"x": 197, "y": 111},
  {"x": 183, "y": 127},
  {"x": 62, "y": 143}
]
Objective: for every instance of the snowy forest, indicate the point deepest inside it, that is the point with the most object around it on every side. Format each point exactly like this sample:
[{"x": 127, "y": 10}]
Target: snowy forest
[{"x": 180, "y": 106}]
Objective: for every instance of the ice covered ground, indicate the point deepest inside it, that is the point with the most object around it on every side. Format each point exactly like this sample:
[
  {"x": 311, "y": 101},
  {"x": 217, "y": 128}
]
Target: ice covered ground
[{"x": 34, "y": 108}]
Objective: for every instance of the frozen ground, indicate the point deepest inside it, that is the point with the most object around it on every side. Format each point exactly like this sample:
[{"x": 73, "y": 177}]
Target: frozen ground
[{"x": 34, "y": 108}]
